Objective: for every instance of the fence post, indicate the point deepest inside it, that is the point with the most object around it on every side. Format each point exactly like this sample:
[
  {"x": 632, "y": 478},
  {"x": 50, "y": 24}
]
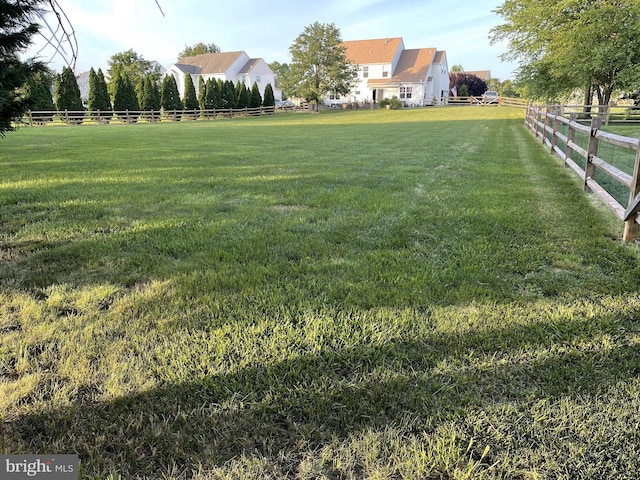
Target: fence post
[
  {"x": 592, "y": 151},
  {"x": 571, "y": 137},
  {"x": 30, "y": 117},
  {"x": 631, "y": 227},
  {"x": 554, "y": 136},
  {"x": 546, "y": 124}
]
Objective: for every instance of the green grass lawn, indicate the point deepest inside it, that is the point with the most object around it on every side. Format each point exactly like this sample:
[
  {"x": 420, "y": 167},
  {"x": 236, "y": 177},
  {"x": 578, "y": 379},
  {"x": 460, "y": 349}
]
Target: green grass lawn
[{"x": 372, "y": 294}]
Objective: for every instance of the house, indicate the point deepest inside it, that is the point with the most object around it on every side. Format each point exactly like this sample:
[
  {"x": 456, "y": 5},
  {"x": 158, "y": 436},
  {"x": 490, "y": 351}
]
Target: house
[
  {"x": 234, "y": 66},
  {"x": 386, "y": 69}
]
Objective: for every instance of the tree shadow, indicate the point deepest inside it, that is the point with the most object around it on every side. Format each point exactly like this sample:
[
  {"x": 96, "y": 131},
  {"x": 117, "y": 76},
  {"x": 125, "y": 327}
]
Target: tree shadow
[{"x": 270, "y": 410}]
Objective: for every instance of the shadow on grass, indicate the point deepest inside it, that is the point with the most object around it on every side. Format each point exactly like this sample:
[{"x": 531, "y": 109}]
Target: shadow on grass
[{"x": 284, "y": 410}]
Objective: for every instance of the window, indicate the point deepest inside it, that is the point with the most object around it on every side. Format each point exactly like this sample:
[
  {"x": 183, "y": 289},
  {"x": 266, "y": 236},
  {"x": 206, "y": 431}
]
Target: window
[
  {"x": 405, "y": 92},
  {"x": 258, "y": 78},
  {"x": 365, "y": 72},
  {"x": 385, "y": 73}
]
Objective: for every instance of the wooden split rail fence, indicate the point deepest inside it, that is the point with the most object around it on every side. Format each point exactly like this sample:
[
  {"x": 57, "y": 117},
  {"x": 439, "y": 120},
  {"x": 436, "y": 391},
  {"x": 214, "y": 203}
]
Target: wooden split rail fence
[
  {"x": 546, "y": 122},
  {"x": 128, "y": 116}
]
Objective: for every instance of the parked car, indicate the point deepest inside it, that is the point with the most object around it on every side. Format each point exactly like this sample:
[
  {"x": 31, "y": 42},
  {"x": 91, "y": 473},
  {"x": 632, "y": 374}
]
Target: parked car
[
  {"x": 284, "y": 104},
  {"x": 490, "y": 96}
]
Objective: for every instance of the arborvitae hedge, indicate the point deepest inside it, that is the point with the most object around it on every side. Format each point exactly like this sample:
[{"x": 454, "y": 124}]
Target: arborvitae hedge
[
  {"x": 38, "y": 93},
  {"x": 256, "y": 98},
  {"x": 125, "y": 98},
  {"x": 68, "y": 92},
  {"x": 269, "y": 100},
  {"x": 170, "y": 98},
  {"x": 202, "y": 90},
  {"x": 190, "y": 99},
  {"x": 98, "y": 95},
  {"x": 243, "y": 96}
]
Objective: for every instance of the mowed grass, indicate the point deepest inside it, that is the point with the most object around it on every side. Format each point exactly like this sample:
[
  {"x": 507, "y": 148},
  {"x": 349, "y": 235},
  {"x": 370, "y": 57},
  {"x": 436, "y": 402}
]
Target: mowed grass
[{"x": 373, "y": 294}]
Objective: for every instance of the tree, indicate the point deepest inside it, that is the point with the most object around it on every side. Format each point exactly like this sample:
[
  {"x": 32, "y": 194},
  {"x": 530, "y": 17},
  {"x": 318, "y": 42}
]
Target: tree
[
  {"x": 198, "y": 49},
  {"x": 190, "y": 99},
  {"x": 170, "y": 98},
  {"x": 228, "y": 95},
  {"x": 202, "y": 90},
  {"x": 98, "y": 94},
  {"x": 269, "y": 100},
  {"x": 256, "y": 99},
  {"x": 475, "y": 86},
  {"x": 133, "y": 66},
  {"x": 17, "y": 27},
  {"x": 125, "y": 98},
  {"x": 457, "y": 69},
  {"x": 37, "y": 92},
  {"x": 243, "y": 95},
  {"x": 319, "y": 64},
  {"x": 211, "y": 95},
  {"x": 150, "y": 98},
  {"x": 282, "y": 72},
  {"x": 67, "y": 92},
  {"x": 588, "y": 44}
]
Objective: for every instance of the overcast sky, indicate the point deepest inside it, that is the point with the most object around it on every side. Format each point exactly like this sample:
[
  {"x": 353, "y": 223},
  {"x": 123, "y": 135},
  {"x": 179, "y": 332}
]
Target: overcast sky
[{"x": 267, "y": 28}]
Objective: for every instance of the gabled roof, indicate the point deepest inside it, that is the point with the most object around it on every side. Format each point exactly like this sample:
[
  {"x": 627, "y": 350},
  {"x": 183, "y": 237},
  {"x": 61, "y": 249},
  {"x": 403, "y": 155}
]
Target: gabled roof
[
  {"x": 249, "y": 65},
  {"x": 414, "y": 65},
  {"x": 381, "y": 50},
  {"x": 482, "y": 74},
  {"x": 209, "y": 63}
]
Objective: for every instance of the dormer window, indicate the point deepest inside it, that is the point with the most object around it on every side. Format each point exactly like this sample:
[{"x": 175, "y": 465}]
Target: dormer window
[{"x": 365, "y": 72}]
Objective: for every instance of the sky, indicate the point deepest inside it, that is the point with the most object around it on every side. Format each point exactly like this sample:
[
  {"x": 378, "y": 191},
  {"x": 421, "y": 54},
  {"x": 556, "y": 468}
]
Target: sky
[{"x": 266, "y": 29}]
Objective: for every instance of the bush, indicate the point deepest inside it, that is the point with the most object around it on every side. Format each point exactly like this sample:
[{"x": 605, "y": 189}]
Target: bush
[{"x": 391, "y": 103}]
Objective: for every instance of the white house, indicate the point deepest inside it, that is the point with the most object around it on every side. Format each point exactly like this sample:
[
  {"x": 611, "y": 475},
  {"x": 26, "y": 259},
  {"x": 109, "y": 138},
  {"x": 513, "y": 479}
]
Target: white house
[
  {"x": 386, "y": 69},
  {"x": 234, "y": 66}
]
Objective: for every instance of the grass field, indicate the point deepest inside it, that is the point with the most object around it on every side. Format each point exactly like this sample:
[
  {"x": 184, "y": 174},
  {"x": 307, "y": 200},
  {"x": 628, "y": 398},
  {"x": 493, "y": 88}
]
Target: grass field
[{"x": 377, "y": 294}]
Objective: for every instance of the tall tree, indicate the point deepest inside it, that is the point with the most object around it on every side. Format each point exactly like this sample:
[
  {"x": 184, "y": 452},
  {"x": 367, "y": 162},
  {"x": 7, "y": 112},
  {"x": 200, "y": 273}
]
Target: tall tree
[
  {"x": 133, "y": 66},
  {"x": 319, "y": 64},
  {"x": 211, "y": 95},
  {"x": 269, "y": 100},
  {"x": 228, "y": 95},
  {"x": 37, "y": 92},
  {"x": 256, "y": 99},
  {"x": 190, "y": 99},
  {"x": 243, "y": 95},
  {"x": 198, "y": 49},
  {"x": 561, "y": 46},
  {"x": 17, "y": 28},
  {"x": 124, "y": 97},
  {"x": 282, "y": 72},
  {"x": 202, "y": 90},
  {"x": 150, "y": 100},
  {"x": 98, "y": 95},
  {"x": 170, "y": 98},
  {"x": 67, "y": 91}
]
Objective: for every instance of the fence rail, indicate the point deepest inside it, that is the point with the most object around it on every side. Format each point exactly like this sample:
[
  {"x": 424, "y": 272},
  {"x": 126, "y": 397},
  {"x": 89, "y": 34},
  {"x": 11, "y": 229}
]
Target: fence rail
[
  {"x": 482, "y": 101},
  {"x": 546, "y": 123},
  {"x": 607, "y": 113},
  {"x": 127, "y": 117}
]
